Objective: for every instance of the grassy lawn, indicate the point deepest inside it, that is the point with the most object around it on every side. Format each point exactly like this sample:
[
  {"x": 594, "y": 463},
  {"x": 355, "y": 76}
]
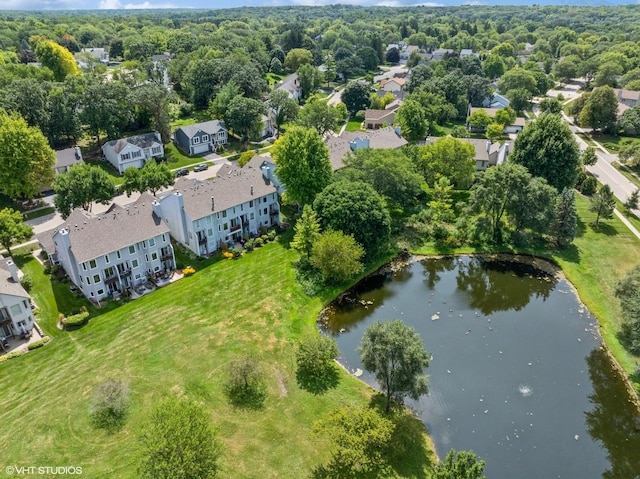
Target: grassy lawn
[
  {"x": 179, "y": 340},
  {"x": 354, "y": 124},
  {"x": 610, "y": 142},
  {"x": 39, "y": 213},
  {"x": 444, "y": 130},
  {"x": 272, "y": 79},
  {"x": 106, "y": 167}
]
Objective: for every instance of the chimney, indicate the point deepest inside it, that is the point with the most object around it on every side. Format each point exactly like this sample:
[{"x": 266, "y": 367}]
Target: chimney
[
  {"x": 213, "y": 204},
  {"x": 251, "y": 190},
  {"x": 488, "y": 146},
  {"x": 13, "y": 269}
]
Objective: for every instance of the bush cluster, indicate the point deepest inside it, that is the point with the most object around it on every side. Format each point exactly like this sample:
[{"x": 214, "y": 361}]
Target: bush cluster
[
  {"x": 75, "y": 320},
  {"x": 188, "y": 271},
  {"x": 39, "y": 343},
  {"x": 11, "y": 355}
]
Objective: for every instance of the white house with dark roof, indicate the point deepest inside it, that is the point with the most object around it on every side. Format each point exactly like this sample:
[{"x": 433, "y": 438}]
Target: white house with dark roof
[
  {"x": 339, "y": 146},
  {"x": 201, "y": 137},
  {"x": 291, "y": 84},
  {"x": 134, "y": 151},
  {"x": 16, "y": 317},
  {"x": 202, "y": 215},
  {"x": 108, "y": 253}
]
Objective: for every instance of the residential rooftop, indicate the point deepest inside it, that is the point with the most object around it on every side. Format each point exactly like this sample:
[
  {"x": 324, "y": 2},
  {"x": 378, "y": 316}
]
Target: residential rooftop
[
  {"x": 339, "y": 146},
  {"x": 141, "y": 141}
]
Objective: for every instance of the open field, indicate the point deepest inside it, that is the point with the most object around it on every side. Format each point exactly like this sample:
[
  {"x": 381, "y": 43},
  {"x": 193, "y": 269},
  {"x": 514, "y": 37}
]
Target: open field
[{"x": 179, "y": 340}]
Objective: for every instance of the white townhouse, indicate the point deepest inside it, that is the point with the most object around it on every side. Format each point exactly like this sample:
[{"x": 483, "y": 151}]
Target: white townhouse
[
  {"x": 16, "y": 317},
  {"x": 111, "y": 252},
  {"x": 235, "y": 204},
  {"x": 134, "y": 151}
]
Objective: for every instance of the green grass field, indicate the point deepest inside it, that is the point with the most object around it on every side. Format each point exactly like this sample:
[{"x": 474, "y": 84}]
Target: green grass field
[{"x": 179, "y": 340}]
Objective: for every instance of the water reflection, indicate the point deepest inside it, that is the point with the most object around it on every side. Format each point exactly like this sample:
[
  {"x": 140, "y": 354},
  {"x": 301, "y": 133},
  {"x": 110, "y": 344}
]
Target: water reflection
[{"x": 609, "y": 420}]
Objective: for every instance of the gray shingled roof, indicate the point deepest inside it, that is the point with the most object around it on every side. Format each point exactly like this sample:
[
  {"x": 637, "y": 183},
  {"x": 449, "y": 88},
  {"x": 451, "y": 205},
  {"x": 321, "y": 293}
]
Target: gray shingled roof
[
  {"x": 141, "y": 141},
  {"x": 230, "y": 187},
  {"x": 95, "y": 236},
  {"x": 210, "y": 127},
  {"x": 7, "y": 284},
  {"x": 382, "y": 138},
  {"x": 480, "y": 146},
  {"x": 68, "y": 157}
]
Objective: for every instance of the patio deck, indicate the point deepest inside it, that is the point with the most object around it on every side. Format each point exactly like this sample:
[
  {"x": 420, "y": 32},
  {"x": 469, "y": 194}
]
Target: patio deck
[{"x": 18, "y": 344}]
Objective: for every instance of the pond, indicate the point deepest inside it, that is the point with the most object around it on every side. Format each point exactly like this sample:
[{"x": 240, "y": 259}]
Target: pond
[{"x": 517, "y": 373}]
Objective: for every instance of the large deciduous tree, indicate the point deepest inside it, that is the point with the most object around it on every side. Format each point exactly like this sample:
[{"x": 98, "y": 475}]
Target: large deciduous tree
[
  {"x": 309, "y": 78},
  {"x": 319, "y": 115},
  {"x": 413, "y": 121},
  {"x": 628, "y": 292},
  {"x": 80, "y": 186},
  {"x": 153, "y": 101},
  {"x": 337, "y": 256},
  {"x": 178, "y": 442},
  {"x": 303, "y": 164},
  {"x": 307, "y": 231},
  {"x": 297, "y": 57},
  {"x": 459, "y": 465},
  {"x": 26, "y": 160},
  {"x": 106, "y": 108},
  {"x": 546, "y": 147},
  {"x": 356, "y": 96},
  {"x": 57, "y": 58},
  {"x": 244, "y": 116},
  {"x": 355, "y": 209},
  {"x": 600, "y": 112},
  {"x": 395, "y": 354},
  {"x": 12, "y": 229},
  {"x": 284, "y": 108},
  {"x": 315, "y": 360},
  {"x": 449, "y": 157}
]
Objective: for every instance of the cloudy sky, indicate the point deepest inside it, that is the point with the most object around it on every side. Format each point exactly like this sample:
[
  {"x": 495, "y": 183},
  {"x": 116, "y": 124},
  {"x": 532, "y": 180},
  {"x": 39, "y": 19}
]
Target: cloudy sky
[{"x": 133, "y": 4}]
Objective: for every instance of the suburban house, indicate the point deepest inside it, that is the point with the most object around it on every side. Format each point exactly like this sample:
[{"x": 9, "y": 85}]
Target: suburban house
[
  {"x": 406, "y": 52},
  {"x": 517, "y": 126},
  {"x": 201, "y": 137},
  {"x": 487, "y": 154},
  {"x": 65, "y": 159},
  {"x": 291, "y": 84},
  {"x": 160, "y": 65},
  {"x": 392, "y": 84},
  {"x": 268, "y": 126},
  {"x": 16, "y": 317},
  {"x": 105, "y": 255},
  {"x": 375, "y": 119},
  {"x": 467, "y": 52},
  {"x": 203, "y": 215},
  {"x": 627, "y": 99},
  {"x": 133, "y": 152},
  {"x": 441, "y": 54},
  {"x": 99, "y": 53},
  {"x": 495, "y": 100},
  {"x": 340, "y": 146}
]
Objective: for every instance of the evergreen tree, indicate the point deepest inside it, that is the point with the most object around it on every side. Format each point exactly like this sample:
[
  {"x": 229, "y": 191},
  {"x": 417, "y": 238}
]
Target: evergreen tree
[
  {"x": 565, "y": 223},
  {"x": 603, "y": 203}
]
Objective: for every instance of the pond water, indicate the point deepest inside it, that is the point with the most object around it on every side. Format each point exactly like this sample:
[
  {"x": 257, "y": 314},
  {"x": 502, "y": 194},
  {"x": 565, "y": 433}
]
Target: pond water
[{"x": 517, "y": 371}]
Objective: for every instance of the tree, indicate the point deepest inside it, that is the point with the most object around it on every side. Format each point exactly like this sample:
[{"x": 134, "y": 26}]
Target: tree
[
  {"x": 361, "y": 439},
  {"x": 391, "y": 173},
  {"x": 179, "y": 442},
  {"x": 449, "y": 157},
  {"x": 602, "y": 203},
  {"x": 106, "y": 107},
  {"x": 154, "y": 176},
  {"x": 110, "y": 405},
  {"x": 519, "y": 98},
  {"x": 628, "y": 292},
  {"x": 494, "y": 131},
  {"x": 315, "y": 360},
  {"x": 369, "y": 58},
  {"x": 412, "y": 119},
  {"x": 28, "y": 98},
  {"x": 608, "y": 73},
  {"x": 505, "y": 116},
  {"x": 303, "y": 164},
  {"x": 419, "y": 76},
  {"x": 459, "y": 465},
  {"x": 245, "y": 387},
  {"x": 534, "y": 206},
  {"x": 550, "y": 105},
  {"x": 356, "y": 96},
  {"x": 309, "y": 78},
  {"x": 154, "y": 101},
  {"x": 479, "y": 119},
  {"x": 284, "y": 108},
  {"x": 478, "y": 88},
  {"x": 57, "y": 58},
  {"x": 632, "y": 201},
  {"x": 630, "y": 121},
  {"x": 588, "y": 157},
  {"x": 392, "y": 55},
  {"x": 441, "y": 204},
  {"x": 276, "y": 66},
  {"x": 629, "y": 153},
  {"x": 320, "y": 115},
  {"x": 80, "y": 186},
  {"x": 494, "y": 66},
  {"x": 355, "y": 209},
  {"x": 566, "y": 69},
  {"x": 297, "y": 57},
  {"x": 219, "y": 105},
  {"x": 244, "y": 116},
  {"x": 307, "y": 231},
  {"x": 12, "y": 229},
  {"x": 519, "y": 78},
  {"x": 547, "y": 148},
  {"x": 395, "y": 354},
  {"x": 600, "y": 110},
  {"x": 565, "y": 222},
  {"x": 131, "y": 181},
  {"x": 337, "y": 256}
]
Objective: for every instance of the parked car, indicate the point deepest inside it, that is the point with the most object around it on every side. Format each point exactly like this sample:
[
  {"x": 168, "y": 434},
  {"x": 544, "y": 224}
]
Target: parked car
[
  {"x": 5, "y": 343},
  {"x": 201, "y": 167},
  {"x": 182, "y": 172}
]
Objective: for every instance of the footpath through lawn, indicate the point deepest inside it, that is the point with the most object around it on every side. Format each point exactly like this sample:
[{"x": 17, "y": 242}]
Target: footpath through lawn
[{"x": 179, "y": 340}]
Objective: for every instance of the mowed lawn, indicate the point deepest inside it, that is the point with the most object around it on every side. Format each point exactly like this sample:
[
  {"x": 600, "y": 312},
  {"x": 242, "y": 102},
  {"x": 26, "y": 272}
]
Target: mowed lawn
[{"x": 179, "y": 340}]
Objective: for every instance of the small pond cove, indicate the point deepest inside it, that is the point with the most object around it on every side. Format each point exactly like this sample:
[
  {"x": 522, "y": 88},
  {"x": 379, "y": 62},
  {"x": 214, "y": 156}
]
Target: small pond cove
[{"x": 518, "y": 371}]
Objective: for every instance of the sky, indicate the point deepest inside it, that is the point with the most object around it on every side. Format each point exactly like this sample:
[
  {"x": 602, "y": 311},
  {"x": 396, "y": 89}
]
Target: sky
[{"x": 149, "y": 4}]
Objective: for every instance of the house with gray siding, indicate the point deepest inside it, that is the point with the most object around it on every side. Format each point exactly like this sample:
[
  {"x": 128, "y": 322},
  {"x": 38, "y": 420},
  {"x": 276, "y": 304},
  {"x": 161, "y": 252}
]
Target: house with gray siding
[
  {"x": 109, "y": 253},
  {"x": 201, "y": 137},
  {"x": 16, "y": 317}
]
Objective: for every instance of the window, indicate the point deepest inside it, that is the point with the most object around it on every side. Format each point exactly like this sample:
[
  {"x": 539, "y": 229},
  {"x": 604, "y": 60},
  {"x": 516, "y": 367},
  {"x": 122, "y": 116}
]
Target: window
[
  {"x": 234, "y": 210},
  {"x": 138, "y": 276},
  {"x": 88, "y": 281},
  {"x": 224, "y": 214},
  {"x": 196, "y": 140},
  {"x": 25, "y": 304},
  {"x": 264, "y": 212},
  {"x": 209, "y": 219},
  {"x": 96, "y": 278},
  {"x": 101, "y": 291},
  {"x": 209, "y": 232},
  {"x": 132, "y": 250},
  {"x": 251, "y": 204},
  {"x": 157, "y": 268},
  {"x": 219, "y": 227},
  {"x": 136, "y": 154},
  {"x": 125, "y": 156},
  {"x": 15, "y": 309},
  {"x": 92, "y": 264},
  {"x": 118, "y": 254},
  {"x": 264, "y": 200},
  {"x": 253, "y": 216},
  {"x": 84, "y": 266},
  {"x": 91, "y": 294},
  {"x": 144, "y": 244},
  {"x": 81, "y": 280},
  {"x": 155, "y": 150},
  {"x": 225, "y": 226},
  {"x": 106, "y": 258},
  {"x": 152, "y": 243},
  {"x": 205, "y": 138},
  {"x": 134, "y": 263},
  {"x": 146, "y": 257},
  {"x": 164, "y": 239},
  {"x": 154, "y": 256}
]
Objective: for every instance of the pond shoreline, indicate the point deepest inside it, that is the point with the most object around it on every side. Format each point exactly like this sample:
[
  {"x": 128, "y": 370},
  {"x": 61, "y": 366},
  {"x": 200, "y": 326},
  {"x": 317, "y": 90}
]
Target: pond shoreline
[{"x": 544, "y": 265}]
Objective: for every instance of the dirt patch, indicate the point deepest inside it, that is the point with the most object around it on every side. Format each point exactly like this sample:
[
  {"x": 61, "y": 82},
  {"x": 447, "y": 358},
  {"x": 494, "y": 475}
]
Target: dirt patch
[{"x": 282, "y": 387}]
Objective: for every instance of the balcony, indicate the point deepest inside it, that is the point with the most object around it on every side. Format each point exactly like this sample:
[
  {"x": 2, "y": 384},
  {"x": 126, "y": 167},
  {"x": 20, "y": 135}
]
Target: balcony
[
  {"x": 124, "y": 273},
  {"x": 110, "y": 280},
  {"x": 273, "y": 213},
  {"x": 235, "y": 228},
  {"x": 202, "y": 240},
  {"x": 166, "y": 256}
]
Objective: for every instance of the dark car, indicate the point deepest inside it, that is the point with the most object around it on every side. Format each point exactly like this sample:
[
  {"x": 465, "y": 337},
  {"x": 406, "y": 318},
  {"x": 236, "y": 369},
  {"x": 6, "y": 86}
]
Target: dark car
[
  {"x": 182, "y": 172},
  {"x": 201, "y": 167}
]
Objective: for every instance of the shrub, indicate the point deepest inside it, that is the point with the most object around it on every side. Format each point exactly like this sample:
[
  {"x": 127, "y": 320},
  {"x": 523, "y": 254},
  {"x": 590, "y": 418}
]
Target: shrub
[
  {"x": 110, "y": 405},
  {"x": 245, "y": 386},
  {"x": 259, "y": 242},
  {"x": 12, "y": 354},
  {"x": 589, "y": 186},
  {"x": 188, "y": 271},
  {"x": 186, "y": 109},
  {"x": 264, "y": 238},
  {"x": 27, "y": 282},
  {"x": 271, "y": 235},
  {"x": 39, "y": 343},
  {"x": 249, "y": 245},
  {"x": 226, "y": 254},
  {"x": 236, "y": 253},
  {"x": 75, "y": 320}
]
